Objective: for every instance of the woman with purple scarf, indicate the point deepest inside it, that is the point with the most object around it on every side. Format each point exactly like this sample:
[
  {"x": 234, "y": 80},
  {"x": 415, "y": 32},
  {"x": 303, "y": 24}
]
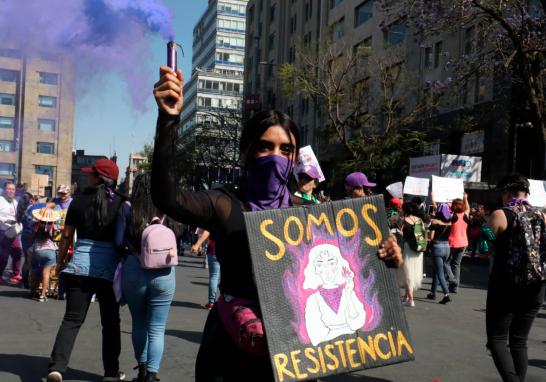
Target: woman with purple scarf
[
  {"x": 512, "y": 305},
  {"x": 269, "y": 143},
  {"x": 90, "y": 270}
]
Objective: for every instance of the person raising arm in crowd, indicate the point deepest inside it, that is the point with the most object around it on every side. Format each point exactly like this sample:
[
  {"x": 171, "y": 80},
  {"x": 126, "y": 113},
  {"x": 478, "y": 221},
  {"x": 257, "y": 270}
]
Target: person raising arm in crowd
[{"x": 269, "y": 143}]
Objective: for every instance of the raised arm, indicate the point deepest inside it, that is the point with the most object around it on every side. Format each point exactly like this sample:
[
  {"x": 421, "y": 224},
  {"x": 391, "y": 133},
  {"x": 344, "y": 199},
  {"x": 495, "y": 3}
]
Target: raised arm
[
  {"x": 184, "y": 206},
  {"x": 466, "y": 205}
]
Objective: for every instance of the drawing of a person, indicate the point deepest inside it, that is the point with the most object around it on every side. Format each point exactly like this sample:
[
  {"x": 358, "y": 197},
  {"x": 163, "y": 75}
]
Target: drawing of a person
[{"x": 334, "y": 309}]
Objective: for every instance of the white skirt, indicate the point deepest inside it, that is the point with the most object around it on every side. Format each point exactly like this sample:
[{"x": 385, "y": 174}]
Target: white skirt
[{"x": 411, "y": 273}]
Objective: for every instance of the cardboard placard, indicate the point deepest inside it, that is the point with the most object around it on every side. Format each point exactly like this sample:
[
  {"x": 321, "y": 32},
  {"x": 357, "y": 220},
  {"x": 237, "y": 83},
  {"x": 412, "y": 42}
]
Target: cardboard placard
[
  {"x": 396, "y": 190},
  {"x": 444, "y": 190},
  {"x": 537, "y": 193},
  {"x": 416, "y": 186},
  {"x": 329, "y": 305}
]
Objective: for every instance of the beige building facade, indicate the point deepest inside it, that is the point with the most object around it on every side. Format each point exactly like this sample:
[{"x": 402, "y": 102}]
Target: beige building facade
[{"x": 36, "y": 119}]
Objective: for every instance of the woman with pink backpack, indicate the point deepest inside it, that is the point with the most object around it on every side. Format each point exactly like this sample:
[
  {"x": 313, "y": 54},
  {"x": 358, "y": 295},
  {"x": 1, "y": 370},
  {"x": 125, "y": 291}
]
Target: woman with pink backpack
[{"x": 148, "y": 278}]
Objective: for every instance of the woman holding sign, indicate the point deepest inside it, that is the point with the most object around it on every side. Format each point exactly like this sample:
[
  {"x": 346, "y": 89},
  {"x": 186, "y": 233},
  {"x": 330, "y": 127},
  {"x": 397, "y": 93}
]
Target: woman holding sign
[{"x": 231, "y": 348}]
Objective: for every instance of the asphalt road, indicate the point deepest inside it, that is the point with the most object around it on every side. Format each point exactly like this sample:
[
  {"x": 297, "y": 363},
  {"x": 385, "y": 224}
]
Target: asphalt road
[{"x": 449, "y": 341}]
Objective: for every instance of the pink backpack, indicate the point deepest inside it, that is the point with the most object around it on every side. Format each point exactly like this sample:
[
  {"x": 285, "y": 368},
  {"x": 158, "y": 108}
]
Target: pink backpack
[{"x": 158, "y": 247}]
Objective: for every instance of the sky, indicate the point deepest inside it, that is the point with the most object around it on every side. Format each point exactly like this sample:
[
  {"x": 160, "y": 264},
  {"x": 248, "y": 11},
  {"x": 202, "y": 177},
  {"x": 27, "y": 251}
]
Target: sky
[{"x": 105, "y": 120}]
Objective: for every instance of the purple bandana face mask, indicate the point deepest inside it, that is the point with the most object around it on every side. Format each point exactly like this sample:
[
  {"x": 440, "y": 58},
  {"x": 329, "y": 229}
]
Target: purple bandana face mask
[{"x": 267, "y": 179}]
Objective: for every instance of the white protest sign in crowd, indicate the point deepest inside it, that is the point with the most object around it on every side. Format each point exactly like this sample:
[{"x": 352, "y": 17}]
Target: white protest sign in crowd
[
  {"x": 537, "y": 193},
  {"x": 447, "y": 189},
  {"x": 416, "y": 186},
  {"x": 396, "y": 190},
  {"x": 306, "y": 157}
]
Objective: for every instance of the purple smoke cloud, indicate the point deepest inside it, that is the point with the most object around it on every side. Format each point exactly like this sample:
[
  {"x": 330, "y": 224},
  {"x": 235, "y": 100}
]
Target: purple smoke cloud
[{"x": 102, "y": 36}]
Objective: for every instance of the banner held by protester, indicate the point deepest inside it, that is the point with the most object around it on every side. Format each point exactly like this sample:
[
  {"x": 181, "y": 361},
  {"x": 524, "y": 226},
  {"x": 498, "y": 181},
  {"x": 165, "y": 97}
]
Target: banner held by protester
[{"x": 329, "y": 305}]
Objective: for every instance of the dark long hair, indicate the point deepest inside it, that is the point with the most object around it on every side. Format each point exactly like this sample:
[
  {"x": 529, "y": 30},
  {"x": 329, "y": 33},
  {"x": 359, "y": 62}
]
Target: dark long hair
[
  {"x": 23, "y": 205},
  {"x": 102, "y": 199},
  {"x": 143, "y": 209},
  {"x": 514, "y": 184},
  {"x": 257, "y": 126}
]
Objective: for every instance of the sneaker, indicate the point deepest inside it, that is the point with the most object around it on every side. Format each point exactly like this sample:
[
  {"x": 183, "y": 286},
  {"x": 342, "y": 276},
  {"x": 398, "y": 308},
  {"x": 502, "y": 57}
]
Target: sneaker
[
  {"x": 409, "y": 303},
  {"x": 54, "y": 376},
  {"x": 431, "y": 296},
  {"x": 445, "y": 300},
  {"x": 209, "y": 306},
  {"x": 120, "y": 377},
  {"x": 15, "y": 279},
  {"x": 452, "y": 288},
  {"x": 41, "y": 299}
]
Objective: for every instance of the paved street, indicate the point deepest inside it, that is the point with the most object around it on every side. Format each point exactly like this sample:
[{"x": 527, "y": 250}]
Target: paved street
[{"x": 448, "y": 340}]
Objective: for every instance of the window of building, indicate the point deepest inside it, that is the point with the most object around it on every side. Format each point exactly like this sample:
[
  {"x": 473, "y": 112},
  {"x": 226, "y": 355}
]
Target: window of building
[
  {"x": 363, "y": 48},
  {"x": 49, "y": 78},
  {"x": 338, "y": 29},
  {"x": 271, "y": 41},
  {"x": 45, "y": 148},
  {"x": 292, "y": 54},
  {"x": 308, "y": 10},
  {"x": 334, "y": 3},
  {"x": 479, "y": 89},
  {"x": 7, "y": 169},
  {"x": 47, "y": 101},
  {"x": 44, "y": 170},
  {"x": 469, "y": 36},
  {"x": 7, "y": 122},
  {"x": 47, "y": 125},
  {"x": 11, "y": 53},
  {"x": 7, "y": 75},
  {"x": 272, "y": 12},
  {"x": 428, "y": 57},
  {"x": 363, "y": 12},
  {"x": 395, "y": 33},
  {"x": 438, "y": 47},
  {"x": 6, "y": 146},
  {"x": 7, "y": 99}
]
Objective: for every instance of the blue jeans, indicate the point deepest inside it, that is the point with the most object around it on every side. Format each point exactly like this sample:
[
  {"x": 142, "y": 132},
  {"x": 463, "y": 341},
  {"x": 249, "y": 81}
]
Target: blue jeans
[
  {"x": 440, "y": 253},
  {"x": 148, "y": 293},
  {"x": 214, "y": 277}
]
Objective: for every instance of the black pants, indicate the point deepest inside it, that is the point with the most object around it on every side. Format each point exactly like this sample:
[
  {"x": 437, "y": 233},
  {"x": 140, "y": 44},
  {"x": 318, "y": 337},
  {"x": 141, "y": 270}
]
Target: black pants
[
  {"x": 79, "y": 290},
  {"x": 220, "y": 360},
  {"x": 511, "y": 310}
]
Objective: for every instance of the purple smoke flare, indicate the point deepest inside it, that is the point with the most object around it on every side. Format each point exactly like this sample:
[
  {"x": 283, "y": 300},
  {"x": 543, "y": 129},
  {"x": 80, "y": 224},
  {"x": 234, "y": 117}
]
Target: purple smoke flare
[{"x": 103, "y": 36}]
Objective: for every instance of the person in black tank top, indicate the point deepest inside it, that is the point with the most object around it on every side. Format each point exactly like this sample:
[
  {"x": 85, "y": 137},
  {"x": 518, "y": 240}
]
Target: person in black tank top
[{"x": 511, "y": 307}]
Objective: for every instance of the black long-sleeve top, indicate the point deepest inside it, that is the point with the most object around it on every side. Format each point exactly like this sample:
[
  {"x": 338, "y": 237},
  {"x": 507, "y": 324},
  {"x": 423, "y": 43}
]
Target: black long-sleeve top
[{"x": 217, "y": 211}]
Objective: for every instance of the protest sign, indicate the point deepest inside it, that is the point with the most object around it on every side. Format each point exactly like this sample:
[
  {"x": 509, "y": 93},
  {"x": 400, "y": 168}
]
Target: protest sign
[
  {"x": 444, "y": 190},
  {"x": 424, "y": 167},
  {"x": 537, "y": 193},
  {"x": 396, "y": 190},
  {"x": 329, "y": 305},
  {"x": 306, "y": 157},
  {"x": 460, "y": 166},
  {"x": 416, "y": 186}
]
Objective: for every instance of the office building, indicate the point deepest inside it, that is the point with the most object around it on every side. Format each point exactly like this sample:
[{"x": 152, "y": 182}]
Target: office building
[{"x": 36, "y": 119}]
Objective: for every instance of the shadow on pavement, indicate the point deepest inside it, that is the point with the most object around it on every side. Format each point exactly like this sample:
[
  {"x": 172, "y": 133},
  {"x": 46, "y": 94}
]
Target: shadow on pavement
[
  {"x": 15, "y": 292},
  {"x": 187, "y": 304},
  {"x": 199, "y": 283},
  {"x": 540, "y": 363},
  {"x": 28, "y": 368},
  {"x": 190, "y": 336}
]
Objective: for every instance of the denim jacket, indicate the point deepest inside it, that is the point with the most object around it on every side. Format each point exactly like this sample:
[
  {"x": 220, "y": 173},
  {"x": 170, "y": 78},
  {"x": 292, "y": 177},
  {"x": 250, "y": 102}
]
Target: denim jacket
[{"x": 94, "y": 259}]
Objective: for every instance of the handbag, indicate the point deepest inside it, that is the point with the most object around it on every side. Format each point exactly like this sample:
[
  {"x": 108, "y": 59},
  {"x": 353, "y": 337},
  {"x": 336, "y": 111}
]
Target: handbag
[{"x": 242, "y": 320}]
